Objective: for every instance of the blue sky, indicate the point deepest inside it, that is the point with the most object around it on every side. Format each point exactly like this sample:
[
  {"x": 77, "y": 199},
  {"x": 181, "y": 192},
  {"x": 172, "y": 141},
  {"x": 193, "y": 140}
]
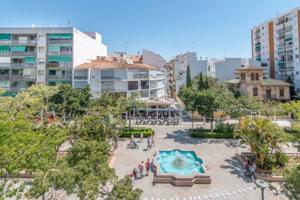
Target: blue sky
[{"x": 168, "y": 27}]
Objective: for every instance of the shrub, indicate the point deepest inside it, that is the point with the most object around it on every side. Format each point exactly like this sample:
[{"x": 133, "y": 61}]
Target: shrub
[
  {"x": 136, "y": 132},
  {"x": 280, "y": 159},
  {"x": 217, "y": 135},
  {"x": 224, "y": 128},
  {"x": 221, "y": 131}
]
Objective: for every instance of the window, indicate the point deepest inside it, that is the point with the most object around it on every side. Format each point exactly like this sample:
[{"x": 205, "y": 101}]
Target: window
[
  {"x": 257, "y": 76},
  {"x": 252, "y": 76},
  {"x": 243, "y": 76},
  {"x": 281, "y": 92},
  {"x": 41, "y": 72},
  {"x": 255, "y": 92},
  {"x": 268, "y": 93},
  {"x": 107, "y": 74},
  {"x": 145, "y": 85},
  {"x": 133, "y": 85}
]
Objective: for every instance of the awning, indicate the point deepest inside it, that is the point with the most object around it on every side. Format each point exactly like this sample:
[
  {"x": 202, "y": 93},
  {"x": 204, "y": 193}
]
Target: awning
[
  {"x": 30, "y": 59},
  {"x": 54, "y": 48},
  {"x": 20, "y": 48},
  {"x": 5, "y": 36},
  {"x": 60, "y": 36},
  {"x": 60, "y": 58},
  {"x": 4, "y": 48}
]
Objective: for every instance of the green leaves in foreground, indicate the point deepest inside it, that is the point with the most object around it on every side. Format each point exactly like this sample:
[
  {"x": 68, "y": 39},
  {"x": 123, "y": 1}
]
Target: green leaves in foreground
[
  {"x": 292, "y": 185},
  {"x": 123, "y": 189}
]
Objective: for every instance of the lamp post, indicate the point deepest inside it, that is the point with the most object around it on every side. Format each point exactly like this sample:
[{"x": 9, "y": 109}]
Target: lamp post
[{"x": 262, "y": 185}]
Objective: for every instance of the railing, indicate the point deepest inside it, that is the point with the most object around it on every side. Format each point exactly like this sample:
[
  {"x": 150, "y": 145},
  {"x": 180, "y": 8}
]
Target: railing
[
  {"x": 59, "y": 65},
  {"x": 22, "y": 77},
  {"x": 5, "y": 53},
  {"x": 19, "y": 65},
  {"x": 59, "y": 77},
  {"x": 62, "y": 53},
  {"x": 80, "y": 77},
  {"x": 23, "y": 41},
  {"x": 23, "y": 53},
  {"x": 17, "y": 89},
  {"x": 4, "y": 76},
  {"x": 60, "y": 41}
]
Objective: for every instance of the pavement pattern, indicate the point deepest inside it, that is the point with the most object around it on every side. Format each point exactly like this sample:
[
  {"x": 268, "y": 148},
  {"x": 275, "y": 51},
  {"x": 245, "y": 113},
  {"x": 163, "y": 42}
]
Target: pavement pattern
[{"x": 228, "y": 181}]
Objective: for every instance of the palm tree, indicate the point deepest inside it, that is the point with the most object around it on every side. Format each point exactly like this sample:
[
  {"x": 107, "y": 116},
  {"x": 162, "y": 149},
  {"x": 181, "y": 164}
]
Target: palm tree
[{"x": 262, "y": 136}]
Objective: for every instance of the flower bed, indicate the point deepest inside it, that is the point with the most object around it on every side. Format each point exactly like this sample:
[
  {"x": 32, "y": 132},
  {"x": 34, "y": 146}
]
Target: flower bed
[
  {"x": 208, "y": 134},
  {"x": 136, "y": 132}
]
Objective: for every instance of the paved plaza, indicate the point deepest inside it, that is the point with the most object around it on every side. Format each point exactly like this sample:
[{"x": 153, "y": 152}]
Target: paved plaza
[{"x": 227, "y": 181}]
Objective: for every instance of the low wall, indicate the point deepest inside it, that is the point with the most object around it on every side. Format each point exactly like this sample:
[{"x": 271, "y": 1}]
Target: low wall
[{"x": 183, "y": 181}]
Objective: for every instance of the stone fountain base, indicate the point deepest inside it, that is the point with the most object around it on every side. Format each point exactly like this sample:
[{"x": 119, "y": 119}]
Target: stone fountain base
[{"x": 183, "y": 181}]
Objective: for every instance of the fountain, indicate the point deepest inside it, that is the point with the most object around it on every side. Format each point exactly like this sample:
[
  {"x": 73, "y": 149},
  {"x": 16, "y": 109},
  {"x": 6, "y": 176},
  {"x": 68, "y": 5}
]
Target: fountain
[{"x": 180, "y": 168}]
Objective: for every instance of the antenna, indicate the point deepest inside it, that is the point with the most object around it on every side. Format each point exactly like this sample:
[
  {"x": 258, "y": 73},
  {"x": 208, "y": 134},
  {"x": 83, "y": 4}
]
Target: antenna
[{"x": 68, "y": 23}]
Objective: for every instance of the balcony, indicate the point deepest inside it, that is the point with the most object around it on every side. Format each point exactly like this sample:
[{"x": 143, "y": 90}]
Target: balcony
[
  {"x": 23, "y": 53},
  {"x": 80, "y": 77},
  {"x": 22, "y": 77},
  {"x": 17, "y": 65},
  {"x": 4, "y": 76},
  {"x": 5, "y": 53},
  {"x": 59, "y": 77},
  {"x": 60, "y": 41},
  {"x": 62, "y": 53},
  {"x": 62, "y": 65},
  {"x": 27, "y": 42}
]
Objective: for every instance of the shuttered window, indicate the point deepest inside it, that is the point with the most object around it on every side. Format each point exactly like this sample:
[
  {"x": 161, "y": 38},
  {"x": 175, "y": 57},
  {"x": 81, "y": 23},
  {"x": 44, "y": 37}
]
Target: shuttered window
[
  {"x": 19, "y": 48},
  {"x": 30, "y": 59},
  {"x": 60, "y": 36},
  {"x": 5, "y": 36},
  {"x": 60, "y": 58},
  {"x": 4, "y": 48}
]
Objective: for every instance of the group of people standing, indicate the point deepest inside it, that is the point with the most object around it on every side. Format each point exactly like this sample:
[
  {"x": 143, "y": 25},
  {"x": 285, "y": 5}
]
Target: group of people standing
[{"x": 143, "y": 169}]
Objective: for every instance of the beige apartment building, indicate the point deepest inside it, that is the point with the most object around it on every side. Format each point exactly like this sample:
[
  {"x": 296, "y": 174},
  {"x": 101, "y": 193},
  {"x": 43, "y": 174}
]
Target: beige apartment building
[{"x": 251, "y": 81}]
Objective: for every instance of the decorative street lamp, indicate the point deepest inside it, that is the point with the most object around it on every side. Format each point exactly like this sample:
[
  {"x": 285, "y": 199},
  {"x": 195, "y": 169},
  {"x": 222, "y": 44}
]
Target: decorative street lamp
[{"x": 263, "y": 185}]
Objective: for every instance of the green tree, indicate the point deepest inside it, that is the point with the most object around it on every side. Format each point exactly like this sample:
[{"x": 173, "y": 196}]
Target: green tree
[
  {"x": 262, "y": 136},
  {"x": 292, "y": 107},
  {"x": 84, "y": 172},
  {"x": 123, "y": 189},
  {"x": 292, "y": 184},
  {"x": 187, "y": 96},
  {"x": 206, "y": 105},
  {"x": 188, "y": 77},
  {"x": 68, "y": 102}
]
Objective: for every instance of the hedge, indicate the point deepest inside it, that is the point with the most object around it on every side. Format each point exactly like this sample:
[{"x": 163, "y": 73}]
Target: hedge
[
  {"x": 216, "y": 135},
  {"x": 136, "y": 132}
]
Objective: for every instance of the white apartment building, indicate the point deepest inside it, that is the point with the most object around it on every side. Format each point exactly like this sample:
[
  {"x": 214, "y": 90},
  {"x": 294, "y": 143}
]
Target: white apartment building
[
  {"x": 44, "y": 55},
  {"x": 123, "y": 74},
  {"x": 276, "y": 44},
  {"x": 177, "y": 67},
  {"x": 225, "y": 69}
]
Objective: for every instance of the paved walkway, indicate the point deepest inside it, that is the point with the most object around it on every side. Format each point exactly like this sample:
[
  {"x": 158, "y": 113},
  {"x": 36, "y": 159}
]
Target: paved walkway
[{"x": 218, "y": 155}]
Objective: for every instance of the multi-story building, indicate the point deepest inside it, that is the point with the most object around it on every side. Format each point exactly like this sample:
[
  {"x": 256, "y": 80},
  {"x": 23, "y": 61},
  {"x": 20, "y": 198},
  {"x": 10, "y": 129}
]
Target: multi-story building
[
  {"x": 176, "y": 70},
  {"x": 251, "y": 81},
  {"x": 276, "y": 43},
  {"x": 44, "y": 55},
  {"x": 224, "y": 69},
  {"x": 123, "y": 74}
]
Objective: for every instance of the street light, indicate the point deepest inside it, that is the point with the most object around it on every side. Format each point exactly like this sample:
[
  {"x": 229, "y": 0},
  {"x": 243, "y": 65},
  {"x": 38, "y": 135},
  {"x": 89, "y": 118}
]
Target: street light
[{"x": 263, "y": 185}]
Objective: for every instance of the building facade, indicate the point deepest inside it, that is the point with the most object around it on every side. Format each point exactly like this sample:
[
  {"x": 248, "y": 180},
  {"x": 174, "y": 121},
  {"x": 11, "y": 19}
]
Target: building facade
[
  {"x": 276, "y": 43},
  {"x": 251, "y": 81},
  {"x": 44, "y": 55},
  {"x": 224, "y": 69},
  {"x": 176, "y": 70},
  {"x": 122, "y": 74}
]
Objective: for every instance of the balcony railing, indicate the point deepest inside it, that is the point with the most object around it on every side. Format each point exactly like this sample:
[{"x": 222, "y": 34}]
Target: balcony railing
[
  {"x": 22, "y": 77},
  {"x": 80, "y": 77},
  {"x": 4, "y": 76},
  {"x": 23, "y": 41},
  {"x": 66, "y": 65},
  {"x": 62, "y": 53},
  {"x": 59, "y": 77},
  {"x": 23, "y": 53},
  {"x": 6, "y": 53},
  {"x": 60, "y": 41},
  {"x": 18, "y": 65}
]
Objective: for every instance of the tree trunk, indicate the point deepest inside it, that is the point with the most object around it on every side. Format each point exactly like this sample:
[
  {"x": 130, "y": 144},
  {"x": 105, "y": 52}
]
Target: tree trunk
[
  {"x": 211, "y": 124},
  {"x": 129, "y": 119},
  {"x": 192, "y": 119}
]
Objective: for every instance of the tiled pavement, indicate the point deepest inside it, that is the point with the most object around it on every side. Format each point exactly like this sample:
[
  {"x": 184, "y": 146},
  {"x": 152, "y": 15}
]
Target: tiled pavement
[{"x": 218, "y": 155}]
